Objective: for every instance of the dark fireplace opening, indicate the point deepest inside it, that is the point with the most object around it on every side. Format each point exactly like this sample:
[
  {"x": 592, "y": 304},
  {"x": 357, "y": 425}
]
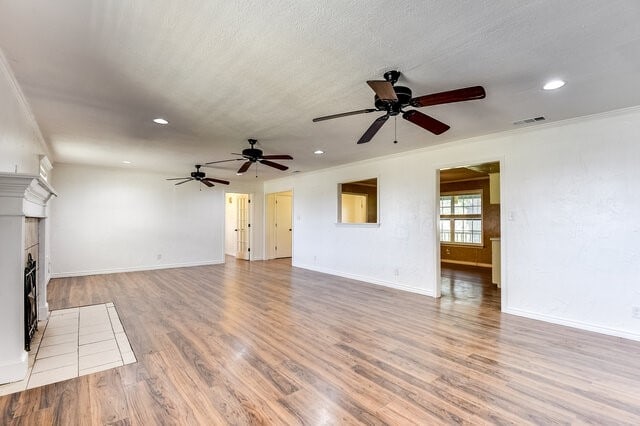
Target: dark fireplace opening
[{"x": 30, "y": 302}]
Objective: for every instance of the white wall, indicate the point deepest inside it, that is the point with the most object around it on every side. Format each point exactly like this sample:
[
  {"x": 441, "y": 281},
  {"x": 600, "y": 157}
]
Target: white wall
[
  {"x": 570, "y": 203},
  {"x": 110, "y": 220}
]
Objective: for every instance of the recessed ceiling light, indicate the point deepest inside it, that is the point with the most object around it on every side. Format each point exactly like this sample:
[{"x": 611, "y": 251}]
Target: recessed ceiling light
[
  {"x": 160, "y": 121},
  {"x": 126, "y": 162},
  {"x": 553, "y": 85},
  {"x": 318, "y": 152}
]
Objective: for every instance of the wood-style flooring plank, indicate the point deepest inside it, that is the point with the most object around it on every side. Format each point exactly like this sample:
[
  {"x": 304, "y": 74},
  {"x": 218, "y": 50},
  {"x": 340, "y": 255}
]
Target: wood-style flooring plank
[{"x": 266, "y": 343}]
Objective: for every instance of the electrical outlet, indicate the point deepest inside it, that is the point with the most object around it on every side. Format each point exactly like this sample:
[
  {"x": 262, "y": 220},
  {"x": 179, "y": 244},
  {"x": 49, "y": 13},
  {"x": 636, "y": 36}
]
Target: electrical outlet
[
  {"x": 396, "y": 272},
  {"x": 315, "y": 260},
  {"x": 159, "y": 257},
  {"x": 635, "y": 312}
]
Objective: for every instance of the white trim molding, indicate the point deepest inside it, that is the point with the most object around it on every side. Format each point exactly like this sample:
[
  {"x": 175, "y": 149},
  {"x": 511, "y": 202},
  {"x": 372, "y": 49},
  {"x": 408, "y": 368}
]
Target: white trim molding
[
  {"x": 22, "y": 101},
  {"x": 368, "y": 280},
  {"x": 574, "y": 324},
  {"x": 134, "y": 269}
]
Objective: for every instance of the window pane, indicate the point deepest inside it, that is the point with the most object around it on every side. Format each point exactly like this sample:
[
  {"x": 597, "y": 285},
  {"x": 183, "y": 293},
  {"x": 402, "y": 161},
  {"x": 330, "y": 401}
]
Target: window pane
[
  {"x": 445, "y": 204},
  {"x": 467, "y": 231},
  {"x": 445, "y": 230},
  {"x": 467, "y": 204}
]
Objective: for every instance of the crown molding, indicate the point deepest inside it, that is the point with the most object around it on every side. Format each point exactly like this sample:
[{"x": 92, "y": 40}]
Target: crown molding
[{"x": 6, "y": 70}]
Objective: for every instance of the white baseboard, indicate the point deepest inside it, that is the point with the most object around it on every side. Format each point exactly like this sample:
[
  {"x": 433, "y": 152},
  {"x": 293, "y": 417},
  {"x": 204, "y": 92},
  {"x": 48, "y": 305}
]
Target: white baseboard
[
  {"x": 134, "y": 269},
  {"x": 574, "y": 324},
  {"x": 15, "y": 371},
  {"x": 464, "y": 262},
  {"x": 369, "y": 280}
]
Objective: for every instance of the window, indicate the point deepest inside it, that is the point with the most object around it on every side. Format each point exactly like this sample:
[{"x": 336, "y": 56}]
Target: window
[{"x": 461, "y": 218}]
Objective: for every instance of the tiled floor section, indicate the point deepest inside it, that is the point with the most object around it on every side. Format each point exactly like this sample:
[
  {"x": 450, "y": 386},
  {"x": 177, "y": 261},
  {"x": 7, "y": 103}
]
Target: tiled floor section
[{"x": 75, "y": 342}]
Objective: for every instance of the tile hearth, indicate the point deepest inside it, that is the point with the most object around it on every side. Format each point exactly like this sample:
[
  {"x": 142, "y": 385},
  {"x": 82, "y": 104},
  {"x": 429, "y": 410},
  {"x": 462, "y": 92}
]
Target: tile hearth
[{"x": 72, "y": 343}]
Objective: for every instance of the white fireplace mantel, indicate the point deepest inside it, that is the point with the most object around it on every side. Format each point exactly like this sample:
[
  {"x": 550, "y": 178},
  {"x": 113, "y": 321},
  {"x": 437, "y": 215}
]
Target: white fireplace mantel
[
  {"x": 24, "y": 195},
  {"x": 21, "y": 196}
]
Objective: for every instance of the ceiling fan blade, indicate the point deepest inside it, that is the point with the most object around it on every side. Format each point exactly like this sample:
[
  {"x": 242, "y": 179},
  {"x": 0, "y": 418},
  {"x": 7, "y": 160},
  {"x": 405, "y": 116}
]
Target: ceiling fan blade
[
  {"x": 344, "y": 114},
  {"x": 184, "y": 181},
  {"x": 179, "y": 178},
  {"x": 272, "y": 164},
  {"x": 244, "y": 167},
  {"x": 373, "y": 129},
  {"x": 224, "y": 182},
  {"x": 458, "y": 95},
  {"x": 426, "y": 122},
  {"x": 222, "y": 161},
  {"x": 383, "y": 89},
  {"x": 277, "y": 157},
  {"x": 206, "y": 182}
]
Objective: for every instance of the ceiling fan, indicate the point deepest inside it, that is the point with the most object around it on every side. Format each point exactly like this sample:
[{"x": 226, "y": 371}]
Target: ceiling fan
[
  {"x": 200, "y": 177},
  {"x": 394, "y": 99},
  {"x": 253, "y": 155}
]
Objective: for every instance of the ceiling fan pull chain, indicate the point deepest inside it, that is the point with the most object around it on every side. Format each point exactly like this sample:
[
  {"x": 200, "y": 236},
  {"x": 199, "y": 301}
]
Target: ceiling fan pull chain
[{"x": 395, "y": 129}]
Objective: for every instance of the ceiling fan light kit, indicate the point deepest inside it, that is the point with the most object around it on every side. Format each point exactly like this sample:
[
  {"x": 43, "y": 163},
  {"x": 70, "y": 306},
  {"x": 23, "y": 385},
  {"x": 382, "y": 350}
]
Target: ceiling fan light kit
[{"x": 394, "y": 99}]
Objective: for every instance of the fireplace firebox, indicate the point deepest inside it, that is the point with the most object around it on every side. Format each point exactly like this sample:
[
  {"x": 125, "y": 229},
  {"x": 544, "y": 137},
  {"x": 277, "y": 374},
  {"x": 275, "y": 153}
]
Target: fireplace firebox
[{"x": 30, "y": 302}]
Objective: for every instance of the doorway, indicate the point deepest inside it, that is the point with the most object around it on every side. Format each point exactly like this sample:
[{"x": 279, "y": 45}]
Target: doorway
[
  {"x": 468, "y": 212},
  {"x": 237, "y": 234},
  {"x": 279, "y": 224}
]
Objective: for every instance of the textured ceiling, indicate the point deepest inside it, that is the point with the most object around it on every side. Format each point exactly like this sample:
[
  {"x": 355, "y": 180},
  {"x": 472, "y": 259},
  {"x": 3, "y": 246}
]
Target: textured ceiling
[{"x": 97, "y": 72}]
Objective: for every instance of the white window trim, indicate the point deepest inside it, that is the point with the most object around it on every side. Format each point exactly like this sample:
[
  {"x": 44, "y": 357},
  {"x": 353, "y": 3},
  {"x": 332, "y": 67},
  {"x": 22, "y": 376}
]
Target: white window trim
[
  {"x": 363, "y": 224},
  {"x": 452, "y": 217}
]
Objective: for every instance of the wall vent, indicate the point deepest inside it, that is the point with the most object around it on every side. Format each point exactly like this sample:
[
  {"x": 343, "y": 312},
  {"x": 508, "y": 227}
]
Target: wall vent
[{"x": 529, "y": 120}]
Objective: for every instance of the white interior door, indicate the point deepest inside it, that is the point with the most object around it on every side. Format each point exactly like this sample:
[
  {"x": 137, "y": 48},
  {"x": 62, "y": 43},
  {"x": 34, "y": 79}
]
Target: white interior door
[
  {"x": 283, "y": 225},
  {"x": 242, "y": 227},
  {"x": 230, "y": 225}
]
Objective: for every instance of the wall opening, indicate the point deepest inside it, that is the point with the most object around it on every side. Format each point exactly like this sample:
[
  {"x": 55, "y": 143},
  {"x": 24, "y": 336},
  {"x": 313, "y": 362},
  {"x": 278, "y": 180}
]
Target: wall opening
[{"x": 468, "y": 211}]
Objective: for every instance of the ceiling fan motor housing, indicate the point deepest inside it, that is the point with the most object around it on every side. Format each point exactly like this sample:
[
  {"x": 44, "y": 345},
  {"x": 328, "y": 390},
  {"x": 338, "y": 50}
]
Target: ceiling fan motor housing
[
  {"x": 404, "y": 97},
  {"x": 198, "y": 175},
  {"x": 252, "y": 153}
]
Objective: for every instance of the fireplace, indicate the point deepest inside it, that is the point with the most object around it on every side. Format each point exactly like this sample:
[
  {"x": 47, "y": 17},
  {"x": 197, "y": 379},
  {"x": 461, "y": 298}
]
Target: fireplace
[
  {"x": 24, "y": 256},
  {"x": 30, "y": 302}
]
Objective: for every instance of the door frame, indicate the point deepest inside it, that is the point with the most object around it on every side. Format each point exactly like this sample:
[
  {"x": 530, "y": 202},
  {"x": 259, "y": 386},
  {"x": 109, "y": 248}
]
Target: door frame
[
  {"x": 268, "y": 243},
  {"x": 503, "y": 209},
  {"x": 250, "y": 196}
]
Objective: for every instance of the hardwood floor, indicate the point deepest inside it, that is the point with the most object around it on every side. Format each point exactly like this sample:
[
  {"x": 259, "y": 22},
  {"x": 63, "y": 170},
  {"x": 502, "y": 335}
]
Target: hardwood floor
[
  {"x": 265, "y": 343},
  {"x": 470, "y": 285}
]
